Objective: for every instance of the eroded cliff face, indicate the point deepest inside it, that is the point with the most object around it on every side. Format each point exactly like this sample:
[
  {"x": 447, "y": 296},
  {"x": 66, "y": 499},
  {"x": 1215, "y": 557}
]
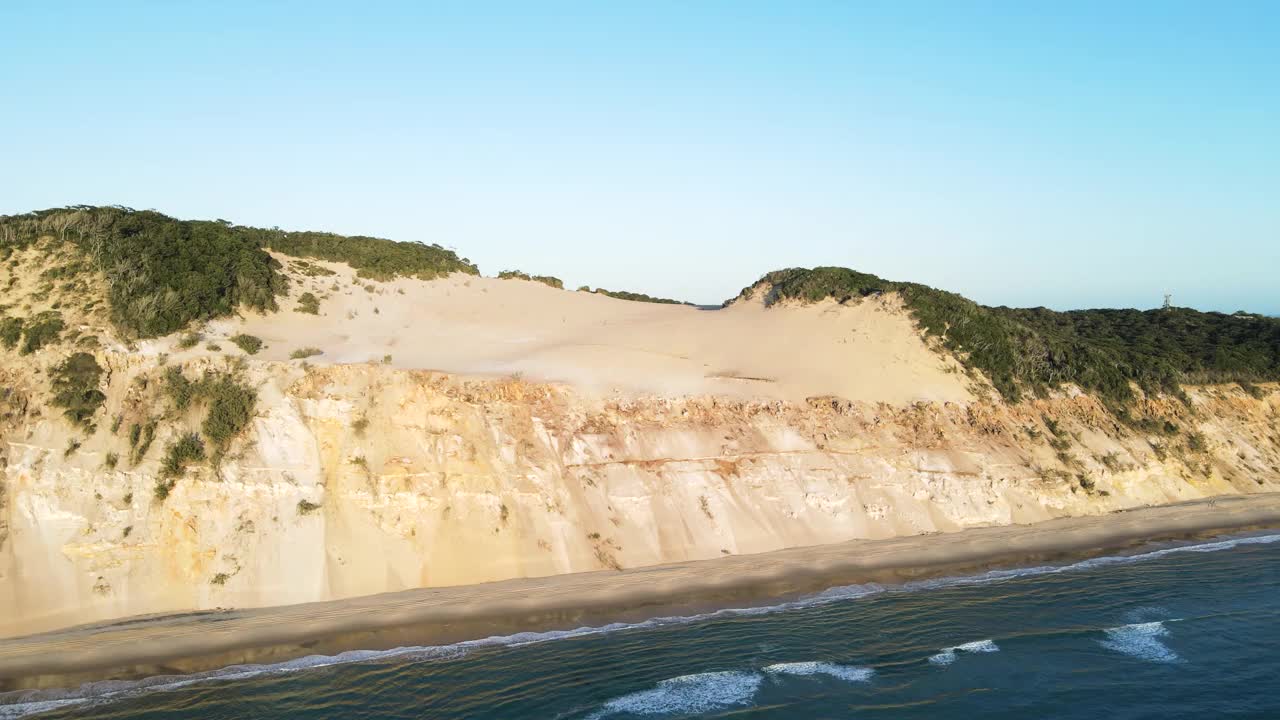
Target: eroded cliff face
[{"x": 357, "y": 479}]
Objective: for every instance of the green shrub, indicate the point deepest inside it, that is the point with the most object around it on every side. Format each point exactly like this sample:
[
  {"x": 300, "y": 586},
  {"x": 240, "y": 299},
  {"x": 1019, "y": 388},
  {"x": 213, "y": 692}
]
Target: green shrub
[
  {"x": 308, "y": 303},
  {"x": 554, "y": 282},
  {"x": 247, "y": 343},
  {"x": 360, "y": 425},
  {"x": 111, "y": 460},
  {"x": 43, "y": 329},
  {"x": 189, "y": 341},
  {"x": 179, "y": 389},
  {"x": 147, "y": 435},
  {"x": 637, "y": 297},
  {"x": 182, "y": 452},
  {"x": 10, "y": 331},
  {"x": 306, "y": 508},
  {"x": 75, "y": 387},
  {"x": 305, "y": 352},
  {"x": 230, "y": 408}
]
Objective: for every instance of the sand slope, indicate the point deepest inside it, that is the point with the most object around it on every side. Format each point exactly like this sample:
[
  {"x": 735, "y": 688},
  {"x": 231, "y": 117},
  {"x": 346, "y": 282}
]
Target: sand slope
[{"x": 472, "y": 325}]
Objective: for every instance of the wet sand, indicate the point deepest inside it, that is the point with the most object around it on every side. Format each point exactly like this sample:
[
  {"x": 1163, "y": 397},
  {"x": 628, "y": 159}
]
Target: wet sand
[{"x": 195, "y": 642}]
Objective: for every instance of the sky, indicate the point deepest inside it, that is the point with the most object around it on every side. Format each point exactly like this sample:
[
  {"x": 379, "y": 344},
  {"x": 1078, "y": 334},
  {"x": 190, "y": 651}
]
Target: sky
[{"x": 1081, "y": 154}]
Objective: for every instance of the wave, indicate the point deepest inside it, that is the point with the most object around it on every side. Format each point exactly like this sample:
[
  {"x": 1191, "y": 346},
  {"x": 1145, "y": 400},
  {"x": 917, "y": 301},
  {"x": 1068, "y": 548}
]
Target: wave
[
  {"x": 21, "y": 703},
  {"x": 687, "y": 694},
  {"x": 948, "y": 655},
  {"x": 1142, "y": 641},
  {"x": 848, "y": 673}
]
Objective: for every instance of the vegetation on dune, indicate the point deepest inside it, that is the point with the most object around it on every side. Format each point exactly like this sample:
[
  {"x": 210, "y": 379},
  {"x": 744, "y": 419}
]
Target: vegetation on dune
[
  {"x": 75, "y": 387},
  {"x": 43, "y": 329},
  {"x": 230, "y": 402},
  {"x": 1102, "y": 351},
  {"x": 248, "y": 343},
  {"x": 554, "y": 282},
  {"x": 373, "y": 258},
  {"x": 306, "y": 352},
  {"x": 308, "y": 303},
  {"x": 635, "y": 297},
  {"x": 163, "y": 273}
]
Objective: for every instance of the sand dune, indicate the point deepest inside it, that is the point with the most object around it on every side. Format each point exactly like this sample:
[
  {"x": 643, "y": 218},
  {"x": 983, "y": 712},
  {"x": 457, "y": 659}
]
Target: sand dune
[{"x": 471, "y": 325}]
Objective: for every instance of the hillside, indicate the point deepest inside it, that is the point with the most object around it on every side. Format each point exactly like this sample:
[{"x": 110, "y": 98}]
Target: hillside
[
  {"x": 1107, "y": 352},
  {"x": 199, "y": 414}
]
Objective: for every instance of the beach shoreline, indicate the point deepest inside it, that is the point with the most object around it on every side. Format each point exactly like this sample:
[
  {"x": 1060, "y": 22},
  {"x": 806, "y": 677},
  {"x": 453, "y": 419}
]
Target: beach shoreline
[{"x": 200, "y": 641}]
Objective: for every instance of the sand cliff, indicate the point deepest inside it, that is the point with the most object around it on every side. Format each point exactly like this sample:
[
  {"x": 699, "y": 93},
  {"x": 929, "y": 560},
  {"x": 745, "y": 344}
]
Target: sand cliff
[{"x": 469, "y": 429}]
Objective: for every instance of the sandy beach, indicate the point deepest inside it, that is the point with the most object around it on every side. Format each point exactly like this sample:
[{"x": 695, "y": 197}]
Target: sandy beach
[{"x": 194, "y": 642}]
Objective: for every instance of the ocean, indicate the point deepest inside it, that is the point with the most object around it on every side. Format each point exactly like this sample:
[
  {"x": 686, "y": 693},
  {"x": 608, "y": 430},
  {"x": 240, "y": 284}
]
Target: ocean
[{"x": 1187, "y": 630}]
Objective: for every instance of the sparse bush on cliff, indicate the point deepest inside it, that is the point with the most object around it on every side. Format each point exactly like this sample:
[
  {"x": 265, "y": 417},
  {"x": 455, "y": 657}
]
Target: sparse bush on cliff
[
  {"x": 179, "y": 389},
  {"x": 306, "y": 352},
  {"x": 247, "y": 343},
  {"x": 308, "y": 303},
  {"x": 230, "y": 408},
  {"x": 554, "y": 282},
  {"x": 182, "y": 452},
  {"x": 75, "y": 388}
]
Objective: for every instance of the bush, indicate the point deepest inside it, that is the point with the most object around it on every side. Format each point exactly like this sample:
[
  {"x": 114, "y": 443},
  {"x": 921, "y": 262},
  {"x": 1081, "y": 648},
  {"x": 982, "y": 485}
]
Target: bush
[
  {"x": 308, "y": 303},
  {"x": 305, "y": 352},
  {"x": 247, "y": 343},
  {"x": 185, "y": 450},
  {"x": 75, "y": 387},
  {"x": 179, "y": 389},
  {"x": 554, "y": 282},
  {"x": 189, "y": 341},
  {"x": 10, "y": 332},
  {"x": 306, "y": 508},
  {"x": 637, "y": 297},
  {"x": 43, "y": 329},
  {"x": 230, "y": 408}
]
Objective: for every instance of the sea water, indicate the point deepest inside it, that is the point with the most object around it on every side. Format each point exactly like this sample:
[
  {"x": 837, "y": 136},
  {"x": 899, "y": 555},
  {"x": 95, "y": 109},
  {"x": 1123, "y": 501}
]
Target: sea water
[{"x": 1184, "y": 631}]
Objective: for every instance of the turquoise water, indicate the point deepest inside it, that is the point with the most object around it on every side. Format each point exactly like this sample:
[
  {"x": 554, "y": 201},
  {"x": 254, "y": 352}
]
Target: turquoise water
[{"x": 1182, "y": 632}]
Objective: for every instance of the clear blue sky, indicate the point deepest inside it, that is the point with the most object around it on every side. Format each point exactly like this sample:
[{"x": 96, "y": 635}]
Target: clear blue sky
[{"x": 1071, "y": 154}]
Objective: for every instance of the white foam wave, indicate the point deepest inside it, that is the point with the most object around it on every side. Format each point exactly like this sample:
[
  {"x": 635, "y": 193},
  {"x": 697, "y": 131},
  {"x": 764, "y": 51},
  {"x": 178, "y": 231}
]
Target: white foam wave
[
  {"x": 19, "y": 704},
  {"x": 848, "y": 673},
  {"x": 1142, "y": 641},
  {"x": 948, "y": 655},
  {"x": 698, "y": 693}
]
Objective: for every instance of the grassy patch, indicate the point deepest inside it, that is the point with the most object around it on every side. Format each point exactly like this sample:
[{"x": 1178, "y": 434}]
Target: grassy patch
[{"x": 306, "y": 352}]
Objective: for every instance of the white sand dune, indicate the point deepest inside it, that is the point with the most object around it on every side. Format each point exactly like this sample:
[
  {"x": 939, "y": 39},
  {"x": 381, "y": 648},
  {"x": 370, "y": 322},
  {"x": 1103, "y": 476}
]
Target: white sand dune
[{"x": 471, "y": 325}]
